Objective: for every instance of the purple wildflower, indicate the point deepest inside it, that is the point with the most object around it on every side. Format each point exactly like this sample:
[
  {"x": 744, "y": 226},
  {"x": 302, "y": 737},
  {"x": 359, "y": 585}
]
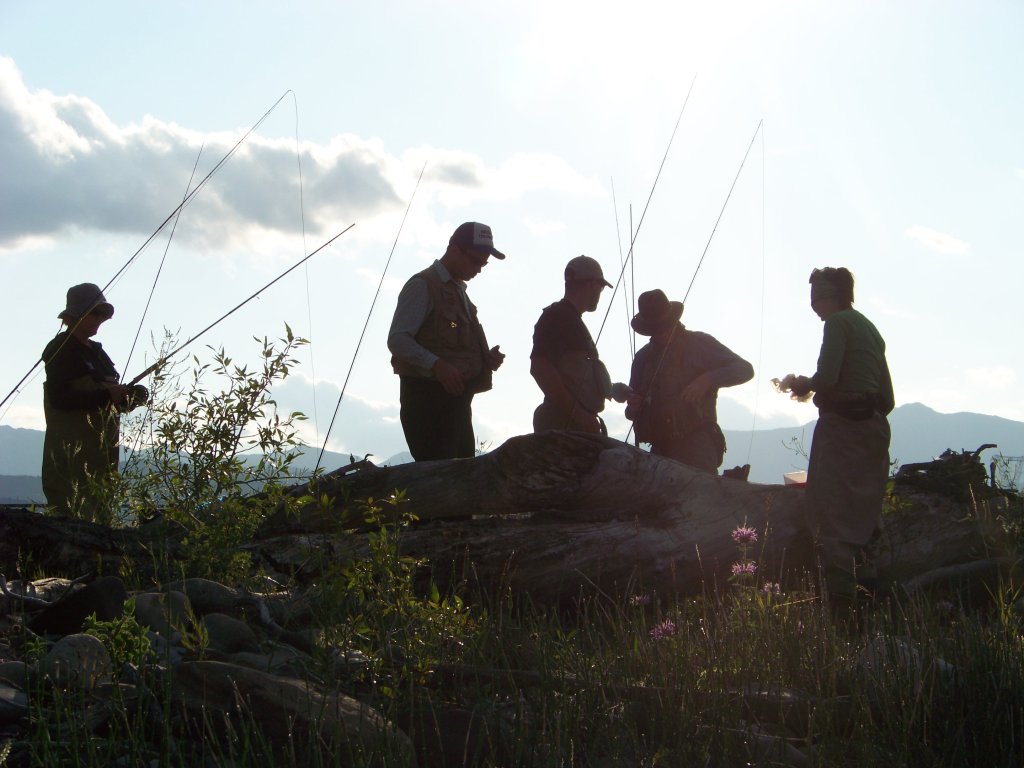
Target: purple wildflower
[
  {"x": 745, "y": 568},
  {"x": 744, "y": 535},
  {"x": 665, "y": 629},
  {"x": 771, "y": 588}
]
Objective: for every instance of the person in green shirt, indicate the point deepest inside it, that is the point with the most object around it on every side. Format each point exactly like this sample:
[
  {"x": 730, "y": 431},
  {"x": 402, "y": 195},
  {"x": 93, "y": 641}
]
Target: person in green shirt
[{"x": 849, "y": 462}]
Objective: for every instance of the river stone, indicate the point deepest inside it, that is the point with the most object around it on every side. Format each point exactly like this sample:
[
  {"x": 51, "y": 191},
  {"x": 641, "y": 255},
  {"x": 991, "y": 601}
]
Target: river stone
[
  {"x": 13, "y": 703},
  {"x": 289, "y": 713},
  {"x": 229, "y": 635},
  {"x": 105, "y": 598},
  {"x": 15, "y": 672},
  {"x": 162, "y": 612},
  {"x": 76, "y": 661}
]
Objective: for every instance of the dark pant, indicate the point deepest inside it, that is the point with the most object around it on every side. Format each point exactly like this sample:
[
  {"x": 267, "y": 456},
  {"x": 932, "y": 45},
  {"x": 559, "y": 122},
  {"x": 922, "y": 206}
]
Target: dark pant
[
  {"x": 436, "y": 425},
  {"x": 702, "y": 448}
]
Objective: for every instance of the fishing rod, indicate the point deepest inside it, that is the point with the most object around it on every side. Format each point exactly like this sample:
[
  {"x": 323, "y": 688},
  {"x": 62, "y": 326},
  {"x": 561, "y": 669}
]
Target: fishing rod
[
  {"x": 188, "y": 198},
  {"x": 664, "y": 352},
  {"x": 164, "y": 358},
  {"x": 633, "y": 235},
  {"x": 369, "y": 314}
]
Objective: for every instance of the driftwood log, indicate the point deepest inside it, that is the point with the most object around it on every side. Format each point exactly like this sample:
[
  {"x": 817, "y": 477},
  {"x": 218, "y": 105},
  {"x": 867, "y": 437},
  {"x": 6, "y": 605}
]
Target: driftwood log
[
  {"x": 548, "y": 515},
  {"x": 558, "y": 513}
]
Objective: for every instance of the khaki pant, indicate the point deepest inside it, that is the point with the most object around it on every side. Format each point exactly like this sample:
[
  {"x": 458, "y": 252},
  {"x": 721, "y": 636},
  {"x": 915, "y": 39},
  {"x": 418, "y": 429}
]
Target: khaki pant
[{"x": 846, "y": 479}]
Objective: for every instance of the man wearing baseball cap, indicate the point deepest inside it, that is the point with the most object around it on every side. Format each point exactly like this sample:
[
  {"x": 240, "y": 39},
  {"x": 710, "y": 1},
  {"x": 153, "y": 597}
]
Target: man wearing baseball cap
[
  {"x": 564, "y": 361},
  {"x": 439, "y": 350}
]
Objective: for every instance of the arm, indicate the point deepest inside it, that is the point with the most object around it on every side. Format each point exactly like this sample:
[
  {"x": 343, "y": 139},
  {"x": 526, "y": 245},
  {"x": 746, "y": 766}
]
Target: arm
[
  {"x": 722, "y": 368},
  {"x": 66, "y": 365},
  {"x": 410, "y": 312},
  {"x": 830, "y": 358}
]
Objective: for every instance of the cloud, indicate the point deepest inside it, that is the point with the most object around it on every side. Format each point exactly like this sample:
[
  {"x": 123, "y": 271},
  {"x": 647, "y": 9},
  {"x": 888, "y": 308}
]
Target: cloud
[
  {"x": 938, "y": 241},
  {"x": 997, "y": 379}
]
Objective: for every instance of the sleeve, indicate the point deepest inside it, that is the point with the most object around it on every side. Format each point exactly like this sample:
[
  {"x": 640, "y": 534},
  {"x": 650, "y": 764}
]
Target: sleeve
[
  {"x": 726, "y": 368},
  {"x": 412, "y": 309},
  {"x": 830, "y": 358},
  {"x": 546, "y": 337}
]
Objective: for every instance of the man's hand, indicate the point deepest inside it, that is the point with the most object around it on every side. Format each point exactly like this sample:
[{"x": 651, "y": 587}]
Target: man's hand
[
  {"x": 449, "y": 377},
  {"x": 621, "y": 392},
  {"x": 118, "y": 394},
  {"x": 799, "y": 385},
  {"x": 697, "y": 389},
  {"x": 495, "y": 357}
]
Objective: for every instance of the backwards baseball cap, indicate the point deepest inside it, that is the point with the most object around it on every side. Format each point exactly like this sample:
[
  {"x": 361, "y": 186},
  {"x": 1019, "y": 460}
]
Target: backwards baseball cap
[
  {"x": 85, "y": 298},
  {"x": 477, "y": 236},
  {"x": 584, "y": 268}
]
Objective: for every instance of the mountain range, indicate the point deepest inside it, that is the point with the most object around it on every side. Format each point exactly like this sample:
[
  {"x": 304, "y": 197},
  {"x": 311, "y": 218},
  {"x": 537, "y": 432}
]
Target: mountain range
[{"x": 918, "y": 434}]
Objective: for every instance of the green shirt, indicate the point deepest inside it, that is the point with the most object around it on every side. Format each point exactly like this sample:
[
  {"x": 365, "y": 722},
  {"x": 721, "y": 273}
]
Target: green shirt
[{"x": 852, "y": 358}]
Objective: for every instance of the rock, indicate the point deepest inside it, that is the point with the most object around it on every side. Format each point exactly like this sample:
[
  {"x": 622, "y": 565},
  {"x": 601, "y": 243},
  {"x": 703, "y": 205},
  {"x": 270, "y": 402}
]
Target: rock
[
  {"x": 13, "y": 703},
  {"x": 14, "y": 672},
  {"x": 289, "y": 713},
  {"x": 229, "y": 635},
  {"x": 105, "y": 598},
  {"x": 163, "y": 612},
  {"x": 76, "y": 661}
]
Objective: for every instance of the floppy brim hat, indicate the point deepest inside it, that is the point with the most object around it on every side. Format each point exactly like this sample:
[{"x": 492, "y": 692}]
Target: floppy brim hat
[
  {"x": 84, "y": 298},
  {"x": 473, "y": 234},
  {"x": 656, "y": 313}
]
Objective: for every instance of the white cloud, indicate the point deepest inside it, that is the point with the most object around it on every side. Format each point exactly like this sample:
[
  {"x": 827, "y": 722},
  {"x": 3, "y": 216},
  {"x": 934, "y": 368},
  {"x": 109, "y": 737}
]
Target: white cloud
[
  {"x": 998, "y": 379},
  {"x": 938, "y": 241}
]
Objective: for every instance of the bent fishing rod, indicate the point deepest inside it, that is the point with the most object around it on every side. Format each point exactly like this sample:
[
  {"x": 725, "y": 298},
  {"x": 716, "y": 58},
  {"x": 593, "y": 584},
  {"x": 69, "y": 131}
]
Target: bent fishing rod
[
  {"x": 174, "y": 213},
  {"x": 700, "y": 263},
  {"x": 163, "y": 359}
]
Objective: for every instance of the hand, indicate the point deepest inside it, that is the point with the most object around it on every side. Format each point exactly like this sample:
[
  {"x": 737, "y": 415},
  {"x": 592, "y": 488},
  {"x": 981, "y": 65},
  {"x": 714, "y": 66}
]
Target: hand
[
  {"x": 137, "y": 395},
  {"x": 799, "y": 385},
  {"x": 118, "y": 394},
  {"x": 634, "y": 402},
  {"x": 495, "y": 357},
  {"x": 621, "y": 392},
  {"x": 449, "y": 377},
  {"x": 697, "y": 389}
]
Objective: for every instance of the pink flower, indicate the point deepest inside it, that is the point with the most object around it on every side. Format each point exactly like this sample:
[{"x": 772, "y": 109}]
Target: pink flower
[
  {"x": 744, "y": 535},
  {"x": 746, "y": 568},
  {"x": 667, "y": 628}
]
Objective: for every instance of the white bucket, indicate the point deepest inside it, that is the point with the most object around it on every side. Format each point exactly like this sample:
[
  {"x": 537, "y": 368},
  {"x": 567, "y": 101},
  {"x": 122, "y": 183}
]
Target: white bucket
[{"x": 795, "y": 478}]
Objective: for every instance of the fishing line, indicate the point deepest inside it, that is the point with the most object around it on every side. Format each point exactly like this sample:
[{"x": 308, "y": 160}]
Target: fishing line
[
  {"x": 186, "y": 201},
  {"x": 309, "y": 301},
  {"x": 226, "y": 315},
  {"x": 760, "y": 347},
  {"x": 664, "y": 352},
  {"x": 633, "y": 236},
  {"x": 369, "y": 314},
  {"x": 622, "y": 262},
  {"x": 163, "y": 258}
]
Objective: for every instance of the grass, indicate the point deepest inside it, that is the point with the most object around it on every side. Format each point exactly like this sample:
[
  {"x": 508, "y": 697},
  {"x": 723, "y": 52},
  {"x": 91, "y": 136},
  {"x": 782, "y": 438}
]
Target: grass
[{"x": 749, "y": 677}]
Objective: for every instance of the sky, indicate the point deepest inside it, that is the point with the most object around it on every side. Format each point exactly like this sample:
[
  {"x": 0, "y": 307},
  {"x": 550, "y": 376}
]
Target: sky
[{"x": 880, "y": 136}]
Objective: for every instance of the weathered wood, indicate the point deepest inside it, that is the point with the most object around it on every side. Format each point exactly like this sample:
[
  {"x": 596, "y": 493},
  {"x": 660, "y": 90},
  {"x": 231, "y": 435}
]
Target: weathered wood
[{"x": 548, "y": 515}]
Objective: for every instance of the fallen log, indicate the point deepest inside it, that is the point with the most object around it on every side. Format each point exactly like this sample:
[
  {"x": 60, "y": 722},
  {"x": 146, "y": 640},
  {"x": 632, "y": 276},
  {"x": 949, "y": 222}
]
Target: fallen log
[
  {"x": 547, "y": 515},
  {"x": 556, "y": 513}
]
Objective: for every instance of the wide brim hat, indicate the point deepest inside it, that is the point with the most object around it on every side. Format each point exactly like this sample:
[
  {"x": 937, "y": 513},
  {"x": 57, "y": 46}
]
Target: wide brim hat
[
  {"x": 86, "y": 298},
  {"x": 473, "y": 234},
  {"x": 656, "y": 313}
]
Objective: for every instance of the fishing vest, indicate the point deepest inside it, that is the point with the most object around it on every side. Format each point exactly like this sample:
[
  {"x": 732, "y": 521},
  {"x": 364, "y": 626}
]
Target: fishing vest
[
  {"x": 451, "y": 331},
  {"x": 665, "y": 414}
]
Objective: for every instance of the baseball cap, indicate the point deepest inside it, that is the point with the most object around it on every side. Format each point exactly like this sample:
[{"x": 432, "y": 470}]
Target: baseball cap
[
  {"x": 473, "y": 234},
  {"x": 584, "y": 268}
]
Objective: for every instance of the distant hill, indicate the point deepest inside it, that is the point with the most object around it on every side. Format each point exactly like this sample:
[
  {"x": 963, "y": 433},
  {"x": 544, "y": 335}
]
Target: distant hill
[{"x": 918, "y": 434}]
